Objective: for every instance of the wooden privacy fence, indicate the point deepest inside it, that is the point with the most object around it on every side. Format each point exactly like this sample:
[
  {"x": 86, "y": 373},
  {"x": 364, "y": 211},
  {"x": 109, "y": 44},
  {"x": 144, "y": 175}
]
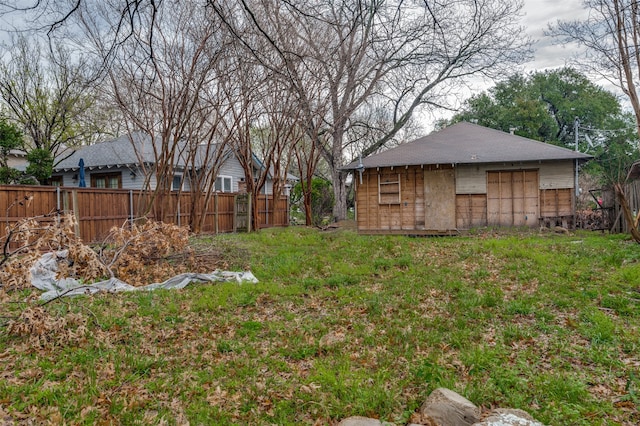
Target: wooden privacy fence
[
  {"x": 98, "y": 210},
  {"x": 632, "y": 193}
]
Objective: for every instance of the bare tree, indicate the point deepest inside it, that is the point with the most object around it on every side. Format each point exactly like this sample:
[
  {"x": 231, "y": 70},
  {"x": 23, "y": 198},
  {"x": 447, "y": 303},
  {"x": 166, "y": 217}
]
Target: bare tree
[
  {"x": 263, "y": 125},
  {"x": 611, "y": 36},
  {"x": 165, "y": 79},
  {"x": 337, "y": 57},
  {"x": 408, "y": 53}
]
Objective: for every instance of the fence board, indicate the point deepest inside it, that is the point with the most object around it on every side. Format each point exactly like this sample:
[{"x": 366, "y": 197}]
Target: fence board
[{"x": 98, "y": 210}]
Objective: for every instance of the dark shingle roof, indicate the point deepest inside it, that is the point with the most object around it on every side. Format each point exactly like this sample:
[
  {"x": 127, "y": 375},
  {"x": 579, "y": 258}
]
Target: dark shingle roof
[
  {"x": 118, "y": 152},
  {"x": 466, "y": 143}
]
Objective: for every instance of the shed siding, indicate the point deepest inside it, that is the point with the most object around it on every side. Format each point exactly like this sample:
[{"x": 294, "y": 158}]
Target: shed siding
[
  {"x": 471, "y": 211},
  {"x": 471, "y": 179},
  {"x": 541, "y": 194},
  {"x": 404, "y": 214},
  {"x": 512, "y": 198},
  {"x": 556, "y": 202}
]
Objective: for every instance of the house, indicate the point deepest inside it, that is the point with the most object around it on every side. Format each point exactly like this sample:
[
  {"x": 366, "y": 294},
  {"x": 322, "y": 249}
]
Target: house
[
  {"x": 17, "y": 159},
  {"x": 126, "y": 161},
  {"x": 462, "y": 177}
]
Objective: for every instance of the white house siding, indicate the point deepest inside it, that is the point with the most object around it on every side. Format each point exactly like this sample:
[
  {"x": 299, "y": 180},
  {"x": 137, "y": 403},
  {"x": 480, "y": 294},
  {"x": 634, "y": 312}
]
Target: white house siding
[
  {"x": 472, "y": 179},
  {"x": 268, "y": 187},
  {"x": 232, "y": 168},
  {"x": 128, "y": 181}
]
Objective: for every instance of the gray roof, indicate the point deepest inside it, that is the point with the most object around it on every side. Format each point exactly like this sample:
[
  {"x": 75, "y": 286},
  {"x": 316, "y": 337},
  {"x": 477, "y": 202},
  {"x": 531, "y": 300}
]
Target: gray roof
[
  {"x": 466, "y": 143},
  {"x": 118, "y": 152}
]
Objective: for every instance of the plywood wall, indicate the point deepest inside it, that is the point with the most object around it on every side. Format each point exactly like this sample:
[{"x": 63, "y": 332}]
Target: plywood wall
[
  {"x": 472, "y": 179},
  {"x": 471, "y": 210},
  {"x": 542, "y": 192},
  {"x": 385, "y": 212},
  {"x": 556, "y": 202}
]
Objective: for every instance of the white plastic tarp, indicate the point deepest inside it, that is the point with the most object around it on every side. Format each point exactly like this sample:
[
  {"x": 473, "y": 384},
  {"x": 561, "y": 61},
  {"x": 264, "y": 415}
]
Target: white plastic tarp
[{"x": 44, "y": 273}]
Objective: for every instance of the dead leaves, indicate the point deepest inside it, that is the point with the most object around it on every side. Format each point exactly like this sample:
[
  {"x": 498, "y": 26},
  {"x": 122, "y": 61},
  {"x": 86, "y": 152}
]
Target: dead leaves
[
  {"x": 139, "y": 255},
  {"x": 29, "y": 239},
  {"x": 142, "y": 255},
  {"x": 44, "y": 330}
]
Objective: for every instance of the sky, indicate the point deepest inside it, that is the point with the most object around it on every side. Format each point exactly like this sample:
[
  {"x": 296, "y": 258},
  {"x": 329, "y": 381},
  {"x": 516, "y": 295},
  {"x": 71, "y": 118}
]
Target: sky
[{"x": 538, "y": 15}]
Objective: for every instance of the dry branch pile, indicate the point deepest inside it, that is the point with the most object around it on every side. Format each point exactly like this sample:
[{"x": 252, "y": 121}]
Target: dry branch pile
[
  {"x": 25, "y": 242},
  {"x": 591, "y": 219},
  {"x": 151, "y": 252},
  {"x": 139, "y": 255}
]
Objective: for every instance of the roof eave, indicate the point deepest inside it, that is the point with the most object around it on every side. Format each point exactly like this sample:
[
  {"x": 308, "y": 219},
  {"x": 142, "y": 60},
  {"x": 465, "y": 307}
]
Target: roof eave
[{"x": 354, "y": 165}]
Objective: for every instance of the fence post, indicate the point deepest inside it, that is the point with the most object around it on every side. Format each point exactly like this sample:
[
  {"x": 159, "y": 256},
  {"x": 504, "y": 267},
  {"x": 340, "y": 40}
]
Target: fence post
[
  {"x": 250, "y": 212},
  {"x": 76, "y": 212},
  {"x": 215, "y": 213},
  {"x": 178, "y": 206},
  {"x": 131, "y": 218},
  {"x": 57, "y": 205}
]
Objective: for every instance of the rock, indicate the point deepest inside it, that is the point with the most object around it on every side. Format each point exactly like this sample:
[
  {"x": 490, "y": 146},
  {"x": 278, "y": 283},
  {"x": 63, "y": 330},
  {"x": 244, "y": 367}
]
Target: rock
[
  {"x": 508, "y": 417},
  {"x": 444, "y": 407},
  {"x": 447, "y": 408},
  {"x": 359, "y": 421},
  {"x": 561, "y": 230}
]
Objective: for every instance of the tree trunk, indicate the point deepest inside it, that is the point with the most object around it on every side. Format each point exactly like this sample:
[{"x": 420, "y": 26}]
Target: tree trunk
[
  {"x": 338, "y": 177},
  {"x": 340, "y": 195},
  {"x": 308, "y": 214},
  {"x": 628, "y": 214}
]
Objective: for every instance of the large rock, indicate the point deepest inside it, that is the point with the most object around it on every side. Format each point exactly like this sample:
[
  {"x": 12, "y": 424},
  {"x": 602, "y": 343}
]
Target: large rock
[
  {"x": 508, "y": 417},
  {"x": 444, "y": 407}
]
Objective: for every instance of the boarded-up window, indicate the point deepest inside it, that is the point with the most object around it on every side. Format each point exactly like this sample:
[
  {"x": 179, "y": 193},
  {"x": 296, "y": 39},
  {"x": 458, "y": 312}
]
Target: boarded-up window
[{"x": 389, "y": 189}]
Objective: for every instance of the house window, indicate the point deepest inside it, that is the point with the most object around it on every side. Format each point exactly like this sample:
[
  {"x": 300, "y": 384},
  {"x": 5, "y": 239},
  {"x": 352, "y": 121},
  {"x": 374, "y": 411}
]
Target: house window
[
  {"x": 177, "y": 183},
  {"x": 106, "y": 180},
  {"x": 223, "y": 184},
  {"x": 55, "y": 181},
  {"x": 389, "y": 189}
]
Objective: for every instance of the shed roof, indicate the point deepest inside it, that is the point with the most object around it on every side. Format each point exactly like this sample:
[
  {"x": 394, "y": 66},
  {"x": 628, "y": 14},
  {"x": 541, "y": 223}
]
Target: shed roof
[{"x": 467, "y": 143}]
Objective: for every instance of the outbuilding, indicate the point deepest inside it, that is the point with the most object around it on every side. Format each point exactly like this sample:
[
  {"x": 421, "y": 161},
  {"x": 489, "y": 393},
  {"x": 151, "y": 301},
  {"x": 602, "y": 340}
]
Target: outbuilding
[{"x": 462, "y": 177}]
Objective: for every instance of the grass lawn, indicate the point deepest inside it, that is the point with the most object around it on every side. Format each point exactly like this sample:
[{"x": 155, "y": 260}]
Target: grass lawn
[{"x": 343, "y": 325}]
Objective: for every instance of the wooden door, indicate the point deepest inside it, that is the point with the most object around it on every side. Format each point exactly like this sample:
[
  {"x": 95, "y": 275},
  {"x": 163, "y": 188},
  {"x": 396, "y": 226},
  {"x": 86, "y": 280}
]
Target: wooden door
[
  {"x": 512, "y": 198},
  {"x": 440, "y": 199}
]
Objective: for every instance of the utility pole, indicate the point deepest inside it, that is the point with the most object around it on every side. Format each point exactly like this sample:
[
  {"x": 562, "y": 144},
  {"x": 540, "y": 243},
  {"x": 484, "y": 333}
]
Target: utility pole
[{"x": 576, "y": 123}]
